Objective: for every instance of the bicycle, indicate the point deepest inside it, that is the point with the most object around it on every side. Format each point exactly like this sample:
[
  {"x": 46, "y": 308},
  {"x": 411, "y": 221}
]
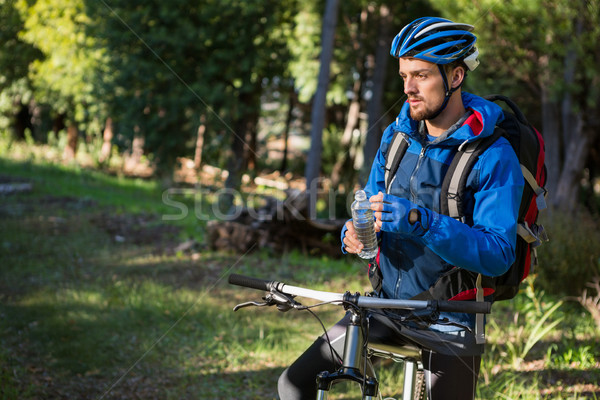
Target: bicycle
[{"x": 358, "y": 351}]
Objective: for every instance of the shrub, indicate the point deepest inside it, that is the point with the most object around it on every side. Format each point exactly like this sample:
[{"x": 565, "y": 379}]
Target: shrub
[{"x": 571, "y": 258}]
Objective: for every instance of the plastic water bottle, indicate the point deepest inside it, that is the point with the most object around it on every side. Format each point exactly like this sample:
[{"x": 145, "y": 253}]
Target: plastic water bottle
[{"x": 362, "y": 218}]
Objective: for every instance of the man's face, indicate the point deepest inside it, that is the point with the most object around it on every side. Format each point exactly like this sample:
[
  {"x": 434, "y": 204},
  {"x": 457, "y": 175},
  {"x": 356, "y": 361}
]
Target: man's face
[{"x": 424, "y": 87}]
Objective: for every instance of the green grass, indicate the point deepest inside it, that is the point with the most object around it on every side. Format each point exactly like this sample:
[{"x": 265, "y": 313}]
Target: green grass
[{"x": 83, "y": 315}]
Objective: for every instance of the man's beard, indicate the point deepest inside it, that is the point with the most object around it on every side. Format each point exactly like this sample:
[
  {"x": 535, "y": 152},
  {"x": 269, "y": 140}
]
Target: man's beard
[{"x": 424, "y": 114}]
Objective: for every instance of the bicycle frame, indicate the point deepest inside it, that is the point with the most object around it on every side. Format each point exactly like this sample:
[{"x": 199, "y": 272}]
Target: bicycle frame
[{"x": 354, "y": 361}]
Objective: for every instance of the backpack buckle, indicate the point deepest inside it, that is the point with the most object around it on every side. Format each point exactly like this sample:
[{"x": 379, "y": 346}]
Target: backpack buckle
[
  {"x": 540, "y": 233},
  {"x": 540, "y": 199},
  {"x": 527, "y": 233}
]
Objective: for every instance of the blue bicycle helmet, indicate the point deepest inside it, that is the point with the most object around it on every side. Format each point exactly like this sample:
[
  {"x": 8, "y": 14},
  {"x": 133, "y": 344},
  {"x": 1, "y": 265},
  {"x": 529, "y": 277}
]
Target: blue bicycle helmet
[{"x": 439, "y": 41}]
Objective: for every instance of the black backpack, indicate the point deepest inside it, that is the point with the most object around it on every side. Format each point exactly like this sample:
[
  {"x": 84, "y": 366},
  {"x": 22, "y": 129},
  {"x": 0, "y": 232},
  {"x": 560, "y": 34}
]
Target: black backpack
[{"x": 528, "y": 144}]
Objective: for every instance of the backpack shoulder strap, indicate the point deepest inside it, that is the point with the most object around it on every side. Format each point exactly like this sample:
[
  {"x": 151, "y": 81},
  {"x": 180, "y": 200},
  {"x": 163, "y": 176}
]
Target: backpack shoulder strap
[
  {"x": 540, "y": 192},
  {"x": 395, "y": 153},
  {"x": 455, "y": 181},
  {"x": 511, "y": 104},
  {"x": 532, "y": 141}
]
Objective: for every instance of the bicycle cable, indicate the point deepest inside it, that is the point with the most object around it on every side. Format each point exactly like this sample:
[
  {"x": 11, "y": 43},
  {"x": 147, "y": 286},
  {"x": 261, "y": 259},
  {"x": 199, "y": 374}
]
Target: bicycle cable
[{"x": 333, "y": 352}]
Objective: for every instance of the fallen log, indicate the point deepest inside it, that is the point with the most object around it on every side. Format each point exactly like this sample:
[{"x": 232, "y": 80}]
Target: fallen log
[
  {"x": 10, "y": 188},
  {"x": 279, "y": 226}
]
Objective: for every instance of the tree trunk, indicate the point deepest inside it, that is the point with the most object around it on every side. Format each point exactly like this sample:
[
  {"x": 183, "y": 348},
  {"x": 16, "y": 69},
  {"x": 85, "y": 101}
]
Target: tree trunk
[
  {"x": 552, "y": 138},
  {"x": 575, "y": 141},
  {"x": 251, "y": 148},
  {"x": 286, "y": 132},
  {"x": 199, "y": 143},
  {"x": 237, "y": 163},
  {"x": 375, "y": 104},
  {"x": 347, "y": 152},
  {"x": 107, "y": 137},
  {"x": 313, "y": 164},
  {"x": 72, "y": 139},
  {"x": 346, "y": 141},
  {"x": 132, "y": 160},
  {"x": 22, "y": 122},
  {"x": 576, "y": 153},
  {"x": 58, "y": 124},
  {"x": 234, "y": 168}
]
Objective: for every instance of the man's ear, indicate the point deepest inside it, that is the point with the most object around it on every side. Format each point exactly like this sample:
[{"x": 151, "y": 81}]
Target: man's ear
[{"x": 458, "y": 76}]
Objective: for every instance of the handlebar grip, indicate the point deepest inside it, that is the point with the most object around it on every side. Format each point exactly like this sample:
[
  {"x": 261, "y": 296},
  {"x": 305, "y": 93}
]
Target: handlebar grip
[
  {"x": 246, "y": 281},
  {"x": 470, "y": 307}
]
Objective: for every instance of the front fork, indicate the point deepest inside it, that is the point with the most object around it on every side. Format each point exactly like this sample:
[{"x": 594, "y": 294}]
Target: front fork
[{"x": 352, "y": 362}]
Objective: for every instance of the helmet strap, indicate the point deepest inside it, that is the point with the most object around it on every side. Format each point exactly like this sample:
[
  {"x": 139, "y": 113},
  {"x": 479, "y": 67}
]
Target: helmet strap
[{"x": 448, "y": 90}]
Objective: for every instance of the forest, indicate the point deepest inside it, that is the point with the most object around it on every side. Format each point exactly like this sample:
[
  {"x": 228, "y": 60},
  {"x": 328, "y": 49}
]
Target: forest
[
  {"x": 170, "y": 127},
  {"x": 216, "y": 82}
]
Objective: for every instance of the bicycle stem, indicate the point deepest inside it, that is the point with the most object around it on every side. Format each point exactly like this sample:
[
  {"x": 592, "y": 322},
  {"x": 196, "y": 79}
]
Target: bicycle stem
[{"x": 352, "y": 363}]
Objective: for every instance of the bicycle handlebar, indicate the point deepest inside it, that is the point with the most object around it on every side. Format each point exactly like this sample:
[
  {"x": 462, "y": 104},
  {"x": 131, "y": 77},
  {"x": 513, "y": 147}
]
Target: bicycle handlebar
[
  {"x": 246, "y": 281},
  {"x": 470, "y": 307}
]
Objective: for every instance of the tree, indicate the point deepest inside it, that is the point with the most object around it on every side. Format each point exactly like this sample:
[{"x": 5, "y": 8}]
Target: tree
[
  {"x": 171, "y": 63},
  {"x": 580, "y": 104},
  {"x": 245, "y": 58},
  {"x": 150, "y": 74},
  {"x": 378, "y": 77},
  {"x": 357, "y": 81},
  {"x": 65, "y": 76},
  {"x": 15, "y": 57},
  {"x": 313, "y": 165}
]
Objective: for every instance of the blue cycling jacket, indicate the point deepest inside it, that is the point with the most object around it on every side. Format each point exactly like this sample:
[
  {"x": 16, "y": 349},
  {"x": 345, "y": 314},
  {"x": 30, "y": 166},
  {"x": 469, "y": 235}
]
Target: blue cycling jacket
[{"x": 486, "y": 241}]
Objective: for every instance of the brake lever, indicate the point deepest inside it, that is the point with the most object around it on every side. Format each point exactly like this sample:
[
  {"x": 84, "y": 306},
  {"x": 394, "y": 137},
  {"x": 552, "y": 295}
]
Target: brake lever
[
  {"x": 283, "y": 302},
  {"x": 249, "y": 304}
]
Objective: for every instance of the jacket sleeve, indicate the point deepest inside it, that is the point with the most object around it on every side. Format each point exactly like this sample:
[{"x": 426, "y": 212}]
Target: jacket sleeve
[{"x": 487, "y": 247}]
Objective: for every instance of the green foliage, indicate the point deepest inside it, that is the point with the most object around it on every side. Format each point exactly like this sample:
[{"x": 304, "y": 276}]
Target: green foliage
[
  {"x": 304, "y": 47},
  {"x": 531, "y": 325},
  {"x": 15, "y": 57},
  {"x": 153, "y": 68},
  {"x": 573, "y": 356},
  {"x": 529, "y": 341},
  {"x": 571, "y": 258},
  {"x": 508, "y": 55},
  {"x": 66, "y": 76},
  {"x": 509, "y": 386},
  {"x": 171, "y": 62},
  {"x": 16, "y": 54}
]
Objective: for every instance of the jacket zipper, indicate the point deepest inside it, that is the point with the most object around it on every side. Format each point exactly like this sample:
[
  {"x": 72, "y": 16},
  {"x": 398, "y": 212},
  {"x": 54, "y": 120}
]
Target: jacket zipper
[{"x": 413, "y": 196}]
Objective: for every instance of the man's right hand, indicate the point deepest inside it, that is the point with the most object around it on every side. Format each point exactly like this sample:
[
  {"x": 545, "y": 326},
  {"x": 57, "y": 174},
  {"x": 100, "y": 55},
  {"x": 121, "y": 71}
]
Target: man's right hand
[{"x": 351, "y": 243}]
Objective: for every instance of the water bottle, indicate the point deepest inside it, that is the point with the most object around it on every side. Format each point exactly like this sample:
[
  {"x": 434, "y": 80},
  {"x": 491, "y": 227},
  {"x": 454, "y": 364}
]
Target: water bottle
[{"x": 362, "y": 218}]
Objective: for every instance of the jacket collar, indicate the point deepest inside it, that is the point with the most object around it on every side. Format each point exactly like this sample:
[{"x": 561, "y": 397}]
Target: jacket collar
[{"x": 484, "y": 115}]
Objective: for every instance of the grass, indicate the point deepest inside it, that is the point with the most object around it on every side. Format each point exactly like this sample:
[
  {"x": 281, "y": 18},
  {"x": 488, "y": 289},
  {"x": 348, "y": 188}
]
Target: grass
[{"x": 84, "y": 314}]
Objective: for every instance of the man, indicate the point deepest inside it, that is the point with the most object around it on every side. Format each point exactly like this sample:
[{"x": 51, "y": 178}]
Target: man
[{"x": 419, "y": 245}]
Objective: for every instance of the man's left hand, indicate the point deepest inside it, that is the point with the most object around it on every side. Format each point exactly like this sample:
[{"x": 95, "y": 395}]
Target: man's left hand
[{"x": 396, "y": 214}]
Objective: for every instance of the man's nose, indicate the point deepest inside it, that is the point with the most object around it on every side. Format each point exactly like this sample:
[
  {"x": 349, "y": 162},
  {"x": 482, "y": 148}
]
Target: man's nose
[{"x": 409, "y": 86}]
